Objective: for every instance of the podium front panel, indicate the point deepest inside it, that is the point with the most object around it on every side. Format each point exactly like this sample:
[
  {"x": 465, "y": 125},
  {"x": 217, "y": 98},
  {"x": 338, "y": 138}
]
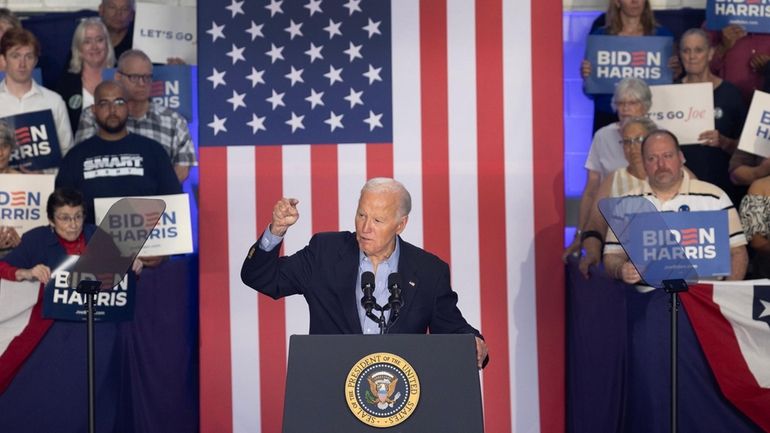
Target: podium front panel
[{"x": 320, "y": 367}]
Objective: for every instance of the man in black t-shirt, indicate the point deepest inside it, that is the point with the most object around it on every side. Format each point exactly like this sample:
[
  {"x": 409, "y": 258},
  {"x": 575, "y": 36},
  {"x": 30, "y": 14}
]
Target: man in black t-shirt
[{"x": 115, "y": 162}]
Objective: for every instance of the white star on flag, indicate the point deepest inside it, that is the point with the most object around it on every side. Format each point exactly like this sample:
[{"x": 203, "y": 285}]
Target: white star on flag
[
  {"x": 315, "y": 98},
  {"x": 236, "y": 7},
  {"x": 352, "y": 6},
  {"x": 334, "y": 121},
  {"x": 218, "y": 124},
  {"x": 255, "y": 77},
  {"x": 275, "y": 53},
  {"x": 274, "y": 7},
  {"x": 354, "y": 52},
  {"x": 314, "y": 52},
  {"x": 333, "y": 75},
  {"x": 257, "y": 123},
  {"x": 236, "y": 54},
  {"x": 295, "y": 76},
  {"x": 766, "y": 311},
  {"x": 373, "y": 74},
  {"x": 276, "y": 100},
  {"x": 294, "y": 29},
  {"x": 333, "y": 28},
  {"x": 314, "y": 6},
  {"x": 373, "y": 120},
  {"x": 255, "y": 31},
  {"x": 373, "y": 28},
  {"x": 295, "y": 122},
  {"x": 354, "y": 97},
  {"x": 217, "y": 78},
  {"x": 237, "y": 100},
  {"x": 216, "y": 31}
]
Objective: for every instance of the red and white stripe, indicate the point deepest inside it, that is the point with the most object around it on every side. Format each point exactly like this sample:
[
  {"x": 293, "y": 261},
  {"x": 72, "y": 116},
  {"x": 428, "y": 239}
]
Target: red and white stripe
[
  {"x": 736, "y": 346},
  {"x": 473, "y": 93}
]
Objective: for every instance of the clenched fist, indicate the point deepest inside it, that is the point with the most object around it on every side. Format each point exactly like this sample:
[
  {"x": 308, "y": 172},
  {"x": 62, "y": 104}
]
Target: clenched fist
[{"x": 285, "y": 214}]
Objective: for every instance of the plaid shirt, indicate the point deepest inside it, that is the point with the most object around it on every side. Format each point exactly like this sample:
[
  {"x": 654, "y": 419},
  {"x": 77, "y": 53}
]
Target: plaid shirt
[{"x": 161, "y": 124}]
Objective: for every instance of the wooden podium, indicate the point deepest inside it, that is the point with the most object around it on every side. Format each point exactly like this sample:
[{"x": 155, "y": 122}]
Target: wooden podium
[{"x": 382, "y": 383}]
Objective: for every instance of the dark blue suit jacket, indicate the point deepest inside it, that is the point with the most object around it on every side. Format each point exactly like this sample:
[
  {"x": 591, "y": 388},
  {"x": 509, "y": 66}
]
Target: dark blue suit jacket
[{"x": 325, "y": 272}]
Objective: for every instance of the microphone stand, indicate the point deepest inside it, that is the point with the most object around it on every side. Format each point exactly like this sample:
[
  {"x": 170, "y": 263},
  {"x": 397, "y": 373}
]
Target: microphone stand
[{"x": 380, "y": 321}]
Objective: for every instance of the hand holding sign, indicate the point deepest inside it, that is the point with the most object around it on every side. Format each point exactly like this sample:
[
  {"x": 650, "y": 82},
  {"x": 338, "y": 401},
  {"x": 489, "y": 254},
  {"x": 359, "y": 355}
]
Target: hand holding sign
[
  {"x": 40, "y": 273},
  {"x": 9, "y": 237}
]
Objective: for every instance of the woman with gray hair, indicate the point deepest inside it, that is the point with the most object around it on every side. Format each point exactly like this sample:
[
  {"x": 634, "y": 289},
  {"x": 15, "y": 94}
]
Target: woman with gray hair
[
  {"x": 92, "y": 52},
  {"x": 9, "y": 238},
  {"x": 632, "y": 98},
  {"x": 709, "y": 158}
]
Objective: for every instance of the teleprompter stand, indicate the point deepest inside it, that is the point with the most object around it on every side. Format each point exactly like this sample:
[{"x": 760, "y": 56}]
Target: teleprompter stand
[
  {"x": 674, "y": 287},
  {"x": 108, "y": 257},
  {"x": 627, "y": 217}
]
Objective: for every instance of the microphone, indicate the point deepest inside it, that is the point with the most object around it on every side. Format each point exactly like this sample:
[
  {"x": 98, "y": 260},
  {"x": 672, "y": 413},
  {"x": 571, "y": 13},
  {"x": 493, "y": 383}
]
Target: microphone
[
  {"x": 367, "y": 286},
  {"x": 394, "y": 300}
]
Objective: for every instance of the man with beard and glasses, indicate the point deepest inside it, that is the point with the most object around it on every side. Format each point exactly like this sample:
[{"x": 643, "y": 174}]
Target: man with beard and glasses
[{"x": 116, "y": 162}]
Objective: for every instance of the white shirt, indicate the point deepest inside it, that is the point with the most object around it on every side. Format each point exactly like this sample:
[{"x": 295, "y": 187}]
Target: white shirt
[{"x": 36, "y": 99}]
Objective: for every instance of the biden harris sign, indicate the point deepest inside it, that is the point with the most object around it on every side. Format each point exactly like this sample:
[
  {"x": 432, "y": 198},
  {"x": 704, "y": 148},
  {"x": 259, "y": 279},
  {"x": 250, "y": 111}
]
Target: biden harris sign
[
  {"x": 659, "y": 240},
  {"x": 167, "y": 233},
  {"x": 752, "y": 15},
  {"x": 616, "y": 57}
]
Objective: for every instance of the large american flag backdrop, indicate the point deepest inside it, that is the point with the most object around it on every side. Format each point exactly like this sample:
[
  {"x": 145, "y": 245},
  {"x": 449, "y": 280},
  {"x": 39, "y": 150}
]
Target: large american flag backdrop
[{"x": 459, "y": 100}]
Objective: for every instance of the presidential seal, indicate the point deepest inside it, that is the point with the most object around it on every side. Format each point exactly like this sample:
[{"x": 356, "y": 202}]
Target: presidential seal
[{"x": 382, "y": 390}]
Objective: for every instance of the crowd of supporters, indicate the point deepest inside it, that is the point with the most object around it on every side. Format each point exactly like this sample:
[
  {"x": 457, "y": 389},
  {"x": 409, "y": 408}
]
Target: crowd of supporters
[
  {"x": 98, "y": 43},
  {"x": 735, "y": 63}
]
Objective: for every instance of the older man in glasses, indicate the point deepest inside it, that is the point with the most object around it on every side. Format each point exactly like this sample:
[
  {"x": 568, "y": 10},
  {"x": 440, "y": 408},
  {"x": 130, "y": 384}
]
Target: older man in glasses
[
  {"x": 116, "y": 162},
  {"x": 145, "y": 117}
]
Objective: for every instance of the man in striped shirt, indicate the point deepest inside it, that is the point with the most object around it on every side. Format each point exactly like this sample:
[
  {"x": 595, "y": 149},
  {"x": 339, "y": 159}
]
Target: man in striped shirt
[{"x": 670, "y": 189}]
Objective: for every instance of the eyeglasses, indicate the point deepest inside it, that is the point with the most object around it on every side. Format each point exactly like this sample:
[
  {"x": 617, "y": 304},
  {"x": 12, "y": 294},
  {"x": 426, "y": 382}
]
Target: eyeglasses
[
  {"x": 630, "y": 141},
  {"x": 67, "y": 219},
  {"x": 137, "y": 78},
  {"x": 105, "y": 104}
]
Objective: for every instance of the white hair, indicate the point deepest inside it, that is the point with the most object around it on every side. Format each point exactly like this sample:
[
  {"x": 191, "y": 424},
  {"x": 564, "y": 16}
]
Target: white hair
[{"x": 386, "y": 184}]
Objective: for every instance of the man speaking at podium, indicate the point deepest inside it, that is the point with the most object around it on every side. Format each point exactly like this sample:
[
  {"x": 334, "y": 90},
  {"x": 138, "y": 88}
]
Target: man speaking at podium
[{"x": 404, "y": 289}]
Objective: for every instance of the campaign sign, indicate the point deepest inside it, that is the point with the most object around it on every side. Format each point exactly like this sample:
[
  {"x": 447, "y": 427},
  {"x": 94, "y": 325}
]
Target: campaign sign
[
  {"x": 23, "y": 198},
  {"x": 171, "y": 87},
  {"x": 702, "y": 238},
  {"x": 62, "y": 302},
  {"x": 616, "y": 57},
  {"x": 755, "y": 137},
  {"x": 37, "y": 75},
  {"x": 752, "y": 15},
  {"x": 687, "y": 110},
  {"x": 37, "y": 145},
  {"x": 171, "y": 235},
  {"x": 164, "y": 31}
]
